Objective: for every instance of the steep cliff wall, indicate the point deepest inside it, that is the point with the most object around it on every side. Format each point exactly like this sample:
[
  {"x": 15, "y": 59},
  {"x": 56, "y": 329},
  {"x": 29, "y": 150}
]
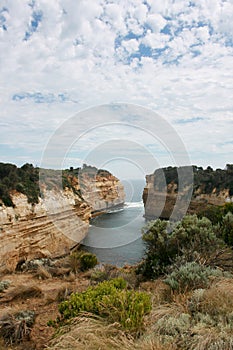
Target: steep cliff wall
[
  {"x": 58, "y": 221},
  {"x": 209, "y": 187},
  {"x": 103, "y": 192}
]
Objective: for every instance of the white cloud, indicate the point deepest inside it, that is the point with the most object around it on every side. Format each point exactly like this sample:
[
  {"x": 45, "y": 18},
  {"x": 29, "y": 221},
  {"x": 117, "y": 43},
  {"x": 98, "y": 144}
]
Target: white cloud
[
  {"x": 156, "y": 22},
  {"x": 166, "y": 55},
  {"x": 130, "y": 45}
]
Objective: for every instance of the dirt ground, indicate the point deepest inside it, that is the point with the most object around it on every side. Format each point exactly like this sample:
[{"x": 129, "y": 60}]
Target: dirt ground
[{"x": 45, "y": 306}]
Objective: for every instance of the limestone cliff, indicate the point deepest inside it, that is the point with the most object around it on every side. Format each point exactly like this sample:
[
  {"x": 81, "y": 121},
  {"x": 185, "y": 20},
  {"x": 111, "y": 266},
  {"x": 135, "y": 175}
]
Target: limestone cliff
[
  {"x": 209, "y": 187},
  {"x": 103, "y": 192},
  {"x": 58, "y": 221}
]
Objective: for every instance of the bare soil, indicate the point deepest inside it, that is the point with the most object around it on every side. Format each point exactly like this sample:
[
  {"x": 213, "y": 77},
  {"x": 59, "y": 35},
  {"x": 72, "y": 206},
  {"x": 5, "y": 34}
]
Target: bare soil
[{"x": 45, "y": 306}]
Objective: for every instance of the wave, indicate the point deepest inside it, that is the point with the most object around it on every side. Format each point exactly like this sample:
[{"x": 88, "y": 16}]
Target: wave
[
  {"x": 134, "y": 204},
  {"x": 114, "y": 210}
]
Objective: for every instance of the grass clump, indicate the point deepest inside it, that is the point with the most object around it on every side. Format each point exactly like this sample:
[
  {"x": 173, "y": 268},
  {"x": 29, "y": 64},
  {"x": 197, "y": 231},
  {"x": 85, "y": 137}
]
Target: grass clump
[
  {"x": 92, "y": 333},
  {"x": 24, "y": 292},
  {"x": 108, "y": 272},
  {"x": 112, "y": 301},
  {"x": 42, "y": 273},
  {"x": 216, "y": 301},
  {"x": 15, "y": 328}
]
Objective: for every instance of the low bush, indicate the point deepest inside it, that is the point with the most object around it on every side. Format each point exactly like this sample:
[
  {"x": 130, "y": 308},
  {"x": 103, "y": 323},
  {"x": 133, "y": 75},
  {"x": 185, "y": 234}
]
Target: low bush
[
  {"x": 173, "y": 326},
  {"x": 88, "y": 261},
  {"x": 226, "y": 229},
  {"x": 82, "y": 260},
  {"x": 4, "y": 285},
  {"x": 110, "y": 300},
  {"x": 191, "y": 276},
  {"x": 98, "y": 276},
  {"x": 190, "y": 238}
]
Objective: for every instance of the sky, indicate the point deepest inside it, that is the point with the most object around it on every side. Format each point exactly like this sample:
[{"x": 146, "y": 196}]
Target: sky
[{"x": 170, "y": 60}]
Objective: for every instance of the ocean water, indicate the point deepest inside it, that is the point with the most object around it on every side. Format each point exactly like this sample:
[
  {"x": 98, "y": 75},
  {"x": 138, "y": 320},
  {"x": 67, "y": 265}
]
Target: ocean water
[{"x": 115, "y": 237}]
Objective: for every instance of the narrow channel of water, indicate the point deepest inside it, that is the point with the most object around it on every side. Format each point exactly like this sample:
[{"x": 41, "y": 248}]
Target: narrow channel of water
[{"x": 115, "y": 237}]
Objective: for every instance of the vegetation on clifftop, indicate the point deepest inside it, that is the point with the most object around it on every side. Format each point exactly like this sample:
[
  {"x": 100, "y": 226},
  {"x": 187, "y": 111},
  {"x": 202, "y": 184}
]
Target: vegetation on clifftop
[
  {"x": 26, "y": 179},
  {"x": 205, "y": 180}
]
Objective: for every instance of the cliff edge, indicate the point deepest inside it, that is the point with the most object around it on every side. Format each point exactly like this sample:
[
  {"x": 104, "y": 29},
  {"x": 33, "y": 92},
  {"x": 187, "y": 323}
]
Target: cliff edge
[
  {"x": 45, "y": 213},
  {"x": 209, "y": 187}
]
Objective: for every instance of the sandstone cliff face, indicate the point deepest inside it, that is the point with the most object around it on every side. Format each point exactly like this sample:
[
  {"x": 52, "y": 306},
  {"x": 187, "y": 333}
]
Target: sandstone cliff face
[
  {"x": 57, "y": 223},
  {"x": 160, "y": 203},
  {"x": 103, "y": 192}
]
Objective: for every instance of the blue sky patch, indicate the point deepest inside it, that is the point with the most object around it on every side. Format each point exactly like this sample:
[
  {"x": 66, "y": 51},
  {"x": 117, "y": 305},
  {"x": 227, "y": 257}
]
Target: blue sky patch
[
  {"x": 189, "y": 121},
  {"x": 33, "y": 26},
  {"x": 3, "y": 18},
  {"x": 38, "y": 97}
]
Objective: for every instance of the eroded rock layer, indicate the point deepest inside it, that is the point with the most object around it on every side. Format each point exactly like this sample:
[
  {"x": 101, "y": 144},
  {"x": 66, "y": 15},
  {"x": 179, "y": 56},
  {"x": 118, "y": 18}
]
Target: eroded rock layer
[
  {"x": 59, "y": 220},
  {"x": 164, "y": 197}
]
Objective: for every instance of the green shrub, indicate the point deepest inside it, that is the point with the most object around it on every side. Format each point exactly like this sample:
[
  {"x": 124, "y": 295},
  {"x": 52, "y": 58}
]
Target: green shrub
[
  {"x": 110, "y": 300},
  {"x": 189, "y": 238},
  {"x": 222, "y": 217},
  {"x": 88, "y": 261},
  {"x": 191, "y": 276},
  {"x": 227, "y": 228}
]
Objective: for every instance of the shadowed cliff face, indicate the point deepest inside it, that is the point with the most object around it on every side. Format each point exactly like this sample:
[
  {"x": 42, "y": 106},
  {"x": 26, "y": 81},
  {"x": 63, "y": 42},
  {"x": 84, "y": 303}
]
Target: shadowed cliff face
[
  {"x": 58, "y": 221},
  {"x": 163, "y": 191}
]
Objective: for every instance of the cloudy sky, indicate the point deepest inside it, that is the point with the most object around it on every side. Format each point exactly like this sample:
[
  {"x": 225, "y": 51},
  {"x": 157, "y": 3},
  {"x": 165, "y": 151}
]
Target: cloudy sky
[{"x": 60, "y": 58}]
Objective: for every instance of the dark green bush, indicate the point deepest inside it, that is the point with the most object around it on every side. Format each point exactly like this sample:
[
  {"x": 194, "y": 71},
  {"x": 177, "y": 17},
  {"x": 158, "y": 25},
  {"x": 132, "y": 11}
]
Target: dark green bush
[
  {"x": 226, "y": 228},
  {"x": 82, "y": 260},
  {"x": 221, "y": 216},
  {"x": 110, "y": 300},
  {"x": 88, "y": 261},
  {"x": 24, "y": 180}
]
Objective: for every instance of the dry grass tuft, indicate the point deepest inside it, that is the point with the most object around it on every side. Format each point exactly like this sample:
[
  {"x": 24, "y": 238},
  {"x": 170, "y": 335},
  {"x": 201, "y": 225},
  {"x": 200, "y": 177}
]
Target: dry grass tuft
[
  {"x": 42, "y": 273},
  {"x": 211, "y": 339},
  {"x": 59, "y": 271},
  {"x": 161, "y": 292},
  {"x": 70, "y": 278},
  {"x": 15, "y": 328},
  {"x": 217, "y": 300},
  {"x": 63, "y": 293},
  {"x": 92, "y": 333},
  {"x": 24, "y": 292}
]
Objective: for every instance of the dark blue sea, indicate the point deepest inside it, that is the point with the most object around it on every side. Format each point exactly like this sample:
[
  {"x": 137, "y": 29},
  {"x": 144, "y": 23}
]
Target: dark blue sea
[{"x": 115, "y": 237}]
